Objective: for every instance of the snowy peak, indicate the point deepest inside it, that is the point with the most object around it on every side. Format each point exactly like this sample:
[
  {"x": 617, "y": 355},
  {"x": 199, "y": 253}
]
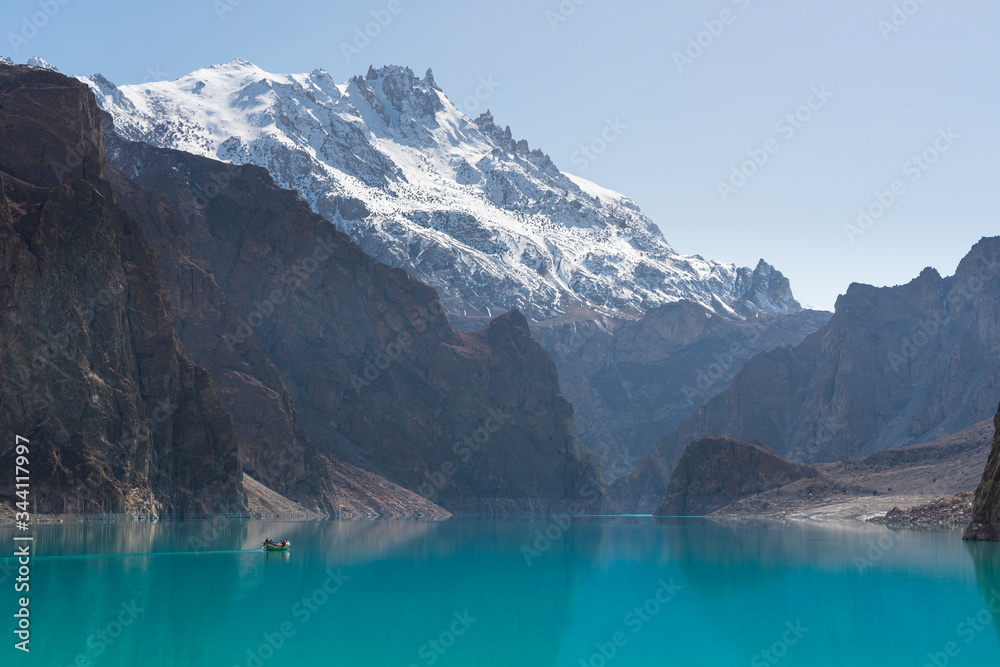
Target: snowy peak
[
  {"x": 429, "y": 79},
  {"x": 766, "y": 288},
  {"x": 461, "y": 204},
  {"x": 406, "y": 105},
  {"x": 35, "y": 61},
  {"x": 505, "y": 139}
]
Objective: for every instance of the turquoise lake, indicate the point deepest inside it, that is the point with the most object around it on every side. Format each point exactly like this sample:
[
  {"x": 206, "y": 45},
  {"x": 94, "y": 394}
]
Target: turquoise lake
[{"x": 546, "y": 593}]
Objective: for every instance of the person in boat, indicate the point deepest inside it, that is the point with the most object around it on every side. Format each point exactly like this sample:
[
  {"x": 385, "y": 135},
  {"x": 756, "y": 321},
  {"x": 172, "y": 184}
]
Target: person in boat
[{"x": 282, "y": 543}]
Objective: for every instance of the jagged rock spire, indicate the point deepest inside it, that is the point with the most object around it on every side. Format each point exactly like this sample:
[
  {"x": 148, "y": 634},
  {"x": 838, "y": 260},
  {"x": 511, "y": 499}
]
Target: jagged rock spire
[{"x": 429, "y": 79}]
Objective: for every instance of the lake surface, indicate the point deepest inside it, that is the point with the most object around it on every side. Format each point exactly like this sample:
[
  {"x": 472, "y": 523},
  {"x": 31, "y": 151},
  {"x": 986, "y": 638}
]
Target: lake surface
[{"x": 546, "y": 593}]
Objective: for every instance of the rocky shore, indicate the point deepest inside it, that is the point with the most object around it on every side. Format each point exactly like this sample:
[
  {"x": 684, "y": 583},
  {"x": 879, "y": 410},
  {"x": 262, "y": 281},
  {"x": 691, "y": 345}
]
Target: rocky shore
[{"x": 954, "y": 512}]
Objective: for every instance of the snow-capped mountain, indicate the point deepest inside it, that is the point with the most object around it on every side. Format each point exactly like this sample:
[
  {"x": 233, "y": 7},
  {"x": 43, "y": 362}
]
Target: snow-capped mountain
[
  {"x": 34, "y": 61},
  {"x": 456, "y": 201}
]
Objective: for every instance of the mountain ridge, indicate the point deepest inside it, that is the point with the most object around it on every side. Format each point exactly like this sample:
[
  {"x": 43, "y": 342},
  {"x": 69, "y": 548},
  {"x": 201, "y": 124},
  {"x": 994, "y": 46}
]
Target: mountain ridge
[
  {"x": 457, "y": 202},
  {"x": 894, "y": 366},
  {"x": 487, "y": 220}
]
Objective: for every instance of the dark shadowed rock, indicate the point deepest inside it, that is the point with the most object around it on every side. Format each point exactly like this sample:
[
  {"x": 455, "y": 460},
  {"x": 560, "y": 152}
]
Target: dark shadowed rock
[
  {"x": 715, "y": 471},
  {"x": 985, "y": 523},
  {"x": 119, "y": 419},
  {"x": 325, "y": 354}
]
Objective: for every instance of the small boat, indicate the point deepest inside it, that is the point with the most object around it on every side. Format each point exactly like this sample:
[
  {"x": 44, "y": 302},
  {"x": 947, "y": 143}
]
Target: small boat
[{"x": 269, "y": 545}]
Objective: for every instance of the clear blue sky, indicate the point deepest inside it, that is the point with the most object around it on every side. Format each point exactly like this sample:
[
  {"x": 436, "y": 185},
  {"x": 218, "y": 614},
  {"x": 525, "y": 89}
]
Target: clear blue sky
[{"x": 560, "y": 82}]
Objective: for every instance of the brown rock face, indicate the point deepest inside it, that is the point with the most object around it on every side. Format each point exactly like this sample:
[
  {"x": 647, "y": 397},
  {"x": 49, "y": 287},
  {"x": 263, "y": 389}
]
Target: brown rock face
[
  {"x": 894, "y": 366},
  {"x": 985, "y": 523},
  {"x": 119, "y": 419},
  {"x": 323, "y": 354},
  {"x": 713, "y": 472}
]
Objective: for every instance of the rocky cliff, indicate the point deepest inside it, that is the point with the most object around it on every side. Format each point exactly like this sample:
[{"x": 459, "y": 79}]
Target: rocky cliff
[
  {"x": 465, "y": 207},
  {"x": 632, "y": 380},
  {"x": 716, "y": 471},
  {"x": 118, "y": 418},
  {"x": 324, "y": 354},
  {"x": 341, "y": 385},
  {"x": 985, "y": 523},
  {"x": 894, "y": 366}
]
